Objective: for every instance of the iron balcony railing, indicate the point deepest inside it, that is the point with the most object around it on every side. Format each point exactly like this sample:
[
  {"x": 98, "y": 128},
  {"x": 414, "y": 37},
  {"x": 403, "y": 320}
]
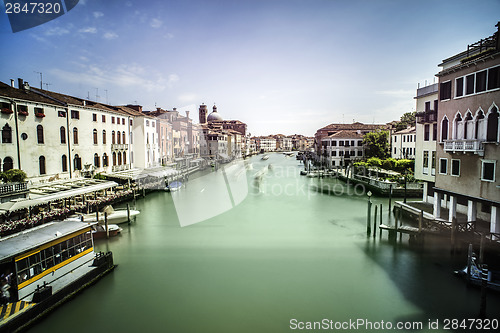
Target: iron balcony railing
[{"x": 464, "y": 146}]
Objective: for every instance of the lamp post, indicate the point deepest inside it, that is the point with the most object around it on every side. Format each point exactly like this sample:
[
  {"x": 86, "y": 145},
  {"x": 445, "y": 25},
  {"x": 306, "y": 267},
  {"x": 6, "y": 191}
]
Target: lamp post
[{"x": 368, "y": 216}]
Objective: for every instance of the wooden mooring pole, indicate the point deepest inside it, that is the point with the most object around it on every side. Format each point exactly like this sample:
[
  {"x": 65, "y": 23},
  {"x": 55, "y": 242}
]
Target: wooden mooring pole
[
  {"x": 484, "y": 286},
  {"x": 375, "y": 221},
  {"x": 481, "y": 249},
  {"x": 368, "y": 217},
  {"x": 469, "y": 264},
  {"x": 106, "y": 224},
  {"x": 128, "y": 213}
]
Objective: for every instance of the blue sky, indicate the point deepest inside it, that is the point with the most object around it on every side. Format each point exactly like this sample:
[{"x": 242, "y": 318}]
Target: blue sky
[{"x": 281, "y": 66}]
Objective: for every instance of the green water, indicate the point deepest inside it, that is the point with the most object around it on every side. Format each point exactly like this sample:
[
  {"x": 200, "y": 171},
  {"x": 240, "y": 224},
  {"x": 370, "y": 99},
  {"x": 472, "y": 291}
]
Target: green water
[{"x": 284, "y": 252}]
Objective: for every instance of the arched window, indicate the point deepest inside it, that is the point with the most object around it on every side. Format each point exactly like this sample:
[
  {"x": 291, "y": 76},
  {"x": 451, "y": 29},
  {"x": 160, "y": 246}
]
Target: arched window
[
  {"x": 94, "y": 134},
  {"x": 39, "y": 134},
  {"x": 123, "y": 137},
  {"x": 64, "y": 162},
  {"x": 62, "y": 132},
  {"x": 492, "y": 127},
  {"x": 41, "y": 165},
  {"x": 114, "y": 158},
  {"x": 468, "y": 126},
  {"x": 124, "y": 158},
  {"x": 103, "y": 137},
  {"x": 8, "y": 164},
  {"x": 105, "y": 162},
  {"x": 119, "y": 158},
  {"x": 458, "y": 127},
  {"x": 75, "y": 136},
  {"x": 6, "y": 134},
  {"x": 77, "y": 162},
  {"x": 96, "y": 160},
  {"x": 118, "y": 137},
  {"x": 444, "y": 129},
  {"x": 113, "y": 137},
  {"x": 480, "y": 126}
]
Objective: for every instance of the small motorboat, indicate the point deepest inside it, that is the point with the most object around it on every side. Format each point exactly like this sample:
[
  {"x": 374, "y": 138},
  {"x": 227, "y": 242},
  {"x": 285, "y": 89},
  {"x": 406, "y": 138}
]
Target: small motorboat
[
  {"x": 114, "y": 216},
  {"x": 173, "y": 186},
  {"x": 303, "y": 172},
  {"x": 99, "y": 230},
  {"x": 265, "y": 157}
]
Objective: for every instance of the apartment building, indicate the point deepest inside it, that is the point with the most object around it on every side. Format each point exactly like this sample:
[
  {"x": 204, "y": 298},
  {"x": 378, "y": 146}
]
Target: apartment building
[{"x": 468, "y": 133}]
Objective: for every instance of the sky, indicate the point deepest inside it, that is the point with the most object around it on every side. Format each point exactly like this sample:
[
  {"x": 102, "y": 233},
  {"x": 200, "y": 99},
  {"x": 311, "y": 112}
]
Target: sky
[{"x": 280, "y": 66}]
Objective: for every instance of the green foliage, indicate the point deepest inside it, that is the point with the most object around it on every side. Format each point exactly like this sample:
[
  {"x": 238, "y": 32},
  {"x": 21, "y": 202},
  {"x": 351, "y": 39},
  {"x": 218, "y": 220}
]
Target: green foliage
[
  {"x": 99, "y": 176},
  {"x": 13, "y": 176},
  {"x": 377, "y": 144},
  {"x": 389, "y": 164},
  {"x": 407, "y": 119},
  {"x": 404, "y": 165},
  {"x": 374, "y": 162}
]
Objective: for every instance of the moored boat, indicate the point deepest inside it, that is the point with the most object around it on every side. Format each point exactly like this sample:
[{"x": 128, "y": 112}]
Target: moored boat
[{"x": 114, "y": 216}]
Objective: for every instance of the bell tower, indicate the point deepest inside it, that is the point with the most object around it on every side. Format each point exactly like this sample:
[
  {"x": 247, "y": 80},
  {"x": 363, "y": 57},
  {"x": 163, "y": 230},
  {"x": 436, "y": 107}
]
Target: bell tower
[{"x": 203, "y": 114}]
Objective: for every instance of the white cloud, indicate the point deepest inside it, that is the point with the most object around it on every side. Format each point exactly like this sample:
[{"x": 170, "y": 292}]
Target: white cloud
[
  {"x": 98, "y": 14},
  {"x": 90, "y": 30},
  {"x": 110, "y": 35},
  {"x": 188, "y": 97},
  {"x": 56, "y": 31},
  {"x": 156, "y": 23},
  {"x": 168, "y": 35}
]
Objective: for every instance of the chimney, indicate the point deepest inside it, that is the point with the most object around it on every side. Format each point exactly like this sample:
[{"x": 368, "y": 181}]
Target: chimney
[
  {"x": 497, "y": 36},
  {"x": 187, "y": 114},
  {"x": 12, "y": 83},
  {"x": 20, "y": 83}
]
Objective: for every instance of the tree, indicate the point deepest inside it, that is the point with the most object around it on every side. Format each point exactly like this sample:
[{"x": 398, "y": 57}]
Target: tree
[
  {"x": 377, "y": 144},
  {"x": 407, "y": 119},
  {"x": 13, "y": 175}
]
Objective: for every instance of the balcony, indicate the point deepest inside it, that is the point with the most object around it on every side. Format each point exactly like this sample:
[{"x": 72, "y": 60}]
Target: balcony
[
  {"x": 464, "y": 146},
  {"x": 426, "y": 117},
  {"x": 122, "y": 167},
  {"x": 117, "y": 146},
  {"x": 13, "y": 189}
]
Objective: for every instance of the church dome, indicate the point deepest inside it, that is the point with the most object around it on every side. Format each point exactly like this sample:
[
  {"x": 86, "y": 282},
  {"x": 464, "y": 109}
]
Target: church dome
[{"x": 214, "y": 115}]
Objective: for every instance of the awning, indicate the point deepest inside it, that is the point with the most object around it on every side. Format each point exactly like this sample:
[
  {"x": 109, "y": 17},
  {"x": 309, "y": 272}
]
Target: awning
[
  {"x": 82, "y": 187},
  {"x": 18, "y": 204}
]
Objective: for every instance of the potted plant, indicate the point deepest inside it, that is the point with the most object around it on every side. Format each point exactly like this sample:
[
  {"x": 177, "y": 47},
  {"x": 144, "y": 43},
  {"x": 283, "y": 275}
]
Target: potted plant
[{"x": 7, "y": 110}]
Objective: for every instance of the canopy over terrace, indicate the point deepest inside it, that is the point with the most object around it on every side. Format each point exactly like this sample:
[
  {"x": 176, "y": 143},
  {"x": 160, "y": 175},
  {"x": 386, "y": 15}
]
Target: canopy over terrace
[
  {"x": 68, "y": 188},
  {"x": 136, "y": 174}
]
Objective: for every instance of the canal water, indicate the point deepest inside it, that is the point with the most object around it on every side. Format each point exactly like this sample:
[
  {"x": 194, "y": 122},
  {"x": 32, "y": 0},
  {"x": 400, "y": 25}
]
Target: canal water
[{"x": 253, "y": 248}]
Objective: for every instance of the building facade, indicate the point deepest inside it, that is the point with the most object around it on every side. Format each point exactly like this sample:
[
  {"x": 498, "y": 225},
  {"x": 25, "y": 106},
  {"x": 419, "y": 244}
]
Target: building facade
[
  {"x": 468, "y": 146},
  {"x": 426, "y": 138},
  {"x": 403, "y": 143}
]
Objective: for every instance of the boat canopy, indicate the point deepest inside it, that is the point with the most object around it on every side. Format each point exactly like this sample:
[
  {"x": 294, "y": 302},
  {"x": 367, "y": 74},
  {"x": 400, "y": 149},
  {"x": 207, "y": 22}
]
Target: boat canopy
[{"x": 30, "y": 239}]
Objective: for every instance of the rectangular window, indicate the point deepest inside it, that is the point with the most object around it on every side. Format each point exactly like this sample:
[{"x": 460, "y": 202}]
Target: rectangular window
[
  {"x": 433, "y": 163},
  {"x": 94, "y": 117},
  {"x": 425, "y": 163},
  {"x": 443, "y": 166},
  {"x": 360, "y": 153},
  {"x": 494, "y": 78},
  {"x": 341, "y": 143},
  {"x": 112, "y": 120},
  {"x": 395, "y": 139},
  {"x": 445, "y": 90},
  {"x": 123, "y": 121},
  {"x": 455, "y": 167},
  {"x": 75, "y": 114},
  {"x": 427, "y": 106},
  {"x": 334, "y": 153},
  {"x": 334, "y": 143},
  {"x": 469, "y": 84},
  {"x": 103, "y": 119},
  {"x": 404, "y": 138},
  {"x": 480, "y": 81},
  {"x": 488, "y": 171},
  {"x": 360, "y": 143},
  {"x": 459, "y": 87},
  {"x": 394, "y": 150},
  {"x": 434, "y": 132}
]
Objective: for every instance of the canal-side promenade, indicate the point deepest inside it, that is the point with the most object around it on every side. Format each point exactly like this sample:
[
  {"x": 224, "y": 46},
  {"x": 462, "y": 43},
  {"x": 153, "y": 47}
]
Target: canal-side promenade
[{"x": 284, "y": 252}]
